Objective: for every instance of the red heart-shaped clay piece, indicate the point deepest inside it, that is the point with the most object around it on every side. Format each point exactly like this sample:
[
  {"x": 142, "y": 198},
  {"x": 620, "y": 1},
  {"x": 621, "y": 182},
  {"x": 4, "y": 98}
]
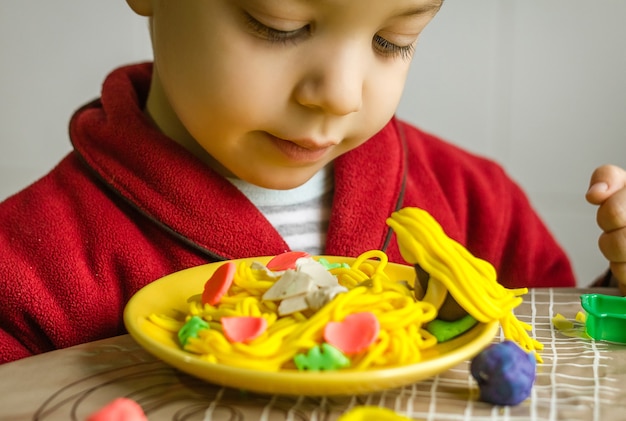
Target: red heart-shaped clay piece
[
  {"x": 285, "y": 261},
  {"x": 219, "y": 283},
  {"x": 243, "y": 329},
  {"x": 354, "y": 334}
]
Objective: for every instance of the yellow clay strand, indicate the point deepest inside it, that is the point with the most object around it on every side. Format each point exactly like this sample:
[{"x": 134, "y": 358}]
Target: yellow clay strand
[{"x": 470, "y": 280}]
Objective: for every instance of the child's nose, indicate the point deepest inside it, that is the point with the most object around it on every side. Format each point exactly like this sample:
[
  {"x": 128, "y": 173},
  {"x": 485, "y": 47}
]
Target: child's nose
[{"x": 333, "y": 82}]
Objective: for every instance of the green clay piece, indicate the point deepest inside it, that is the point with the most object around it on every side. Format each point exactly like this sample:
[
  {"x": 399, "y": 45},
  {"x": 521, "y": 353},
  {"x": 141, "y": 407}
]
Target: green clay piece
[
  {"x": 444, "y": 330},
  {"x": 191, "y": 329},
  {"x": 323, "y": 357},
  {"x": 330, "y": 266}
]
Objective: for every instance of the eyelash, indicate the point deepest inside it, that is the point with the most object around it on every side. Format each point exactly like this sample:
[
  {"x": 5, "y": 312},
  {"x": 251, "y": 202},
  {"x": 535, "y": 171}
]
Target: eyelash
[
  {"x": 381, "y": 45},
  {"x": 391, "y": 50},
  {"x": 274, "y": 35}
]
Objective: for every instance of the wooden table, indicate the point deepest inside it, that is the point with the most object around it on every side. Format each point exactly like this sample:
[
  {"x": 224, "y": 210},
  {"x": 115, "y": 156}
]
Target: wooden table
[{"x": 579, "y": 379}]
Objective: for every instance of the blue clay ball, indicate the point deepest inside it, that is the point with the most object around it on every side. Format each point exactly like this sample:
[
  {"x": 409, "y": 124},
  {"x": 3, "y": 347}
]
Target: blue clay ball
[{"x": 505, "y": 373}]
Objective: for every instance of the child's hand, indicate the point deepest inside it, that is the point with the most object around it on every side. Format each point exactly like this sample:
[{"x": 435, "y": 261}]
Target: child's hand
[{"x": 608, "y": 189}]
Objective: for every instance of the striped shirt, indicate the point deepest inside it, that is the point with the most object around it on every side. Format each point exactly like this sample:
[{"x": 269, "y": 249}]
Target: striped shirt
[{"x": 299, "y": 215}]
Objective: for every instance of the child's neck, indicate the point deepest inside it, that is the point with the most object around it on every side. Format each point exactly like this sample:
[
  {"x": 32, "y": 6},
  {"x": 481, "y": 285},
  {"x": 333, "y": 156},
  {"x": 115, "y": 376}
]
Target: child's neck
[{"x": 160, "y": 112}]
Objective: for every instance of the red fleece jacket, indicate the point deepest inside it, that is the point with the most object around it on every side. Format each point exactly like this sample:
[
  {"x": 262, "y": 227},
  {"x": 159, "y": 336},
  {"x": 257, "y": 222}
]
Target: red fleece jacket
[{"x": 129, "y": 205}]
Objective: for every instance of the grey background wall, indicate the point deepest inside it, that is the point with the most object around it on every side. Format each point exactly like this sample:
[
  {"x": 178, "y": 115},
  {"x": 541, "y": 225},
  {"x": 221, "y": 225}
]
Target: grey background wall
[{"x": 539, "y": 86}]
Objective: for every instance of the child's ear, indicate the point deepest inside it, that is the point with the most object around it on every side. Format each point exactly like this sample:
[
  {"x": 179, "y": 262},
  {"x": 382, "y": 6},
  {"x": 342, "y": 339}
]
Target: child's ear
[{"x": 141, "y": 7}]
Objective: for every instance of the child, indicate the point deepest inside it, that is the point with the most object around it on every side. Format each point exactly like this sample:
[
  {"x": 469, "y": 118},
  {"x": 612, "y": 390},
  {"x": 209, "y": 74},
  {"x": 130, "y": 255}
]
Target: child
[{"x": 262, "y": 126}]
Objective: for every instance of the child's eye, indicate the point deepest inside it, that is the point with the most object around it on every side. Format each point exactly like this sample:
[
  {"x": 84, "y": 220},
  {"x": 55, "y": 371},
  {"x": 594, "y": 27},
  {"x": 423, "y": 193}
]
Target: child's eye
[
  {"x": 275, "y": 35},
  {"x": 389, "y": 49}
]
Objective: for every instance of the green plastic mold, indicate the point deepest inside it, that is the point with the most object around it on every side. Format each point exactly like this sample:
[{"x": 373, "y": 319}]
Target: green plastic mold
[{"x": 606, "y": 317}]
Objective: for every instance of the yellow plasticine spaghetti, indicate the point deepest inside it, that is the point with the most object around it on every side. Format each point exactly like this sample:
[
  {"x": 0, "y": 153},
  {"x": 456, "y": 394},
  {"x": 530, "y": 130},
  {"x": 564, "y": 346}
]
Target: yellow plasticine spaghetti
[
  {"x": 401, "y": 340},
  {"x": 471, "y": 281},
  {"x": 400, "y": 317}
]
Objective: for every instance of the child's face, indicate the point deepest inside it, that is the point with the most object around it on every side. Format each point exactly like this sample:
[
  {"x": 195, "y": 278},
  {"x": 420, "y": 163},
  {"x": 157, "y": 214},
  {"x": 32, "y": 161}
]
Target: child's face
[{"x": 274, "y": 90}]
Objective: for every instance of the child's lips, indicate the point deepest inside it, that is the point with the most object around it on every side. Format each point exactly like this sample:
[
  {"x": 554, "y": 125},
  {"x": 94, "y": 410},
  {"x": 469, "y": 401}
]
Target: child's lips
[{"x": 302, "y": 150}]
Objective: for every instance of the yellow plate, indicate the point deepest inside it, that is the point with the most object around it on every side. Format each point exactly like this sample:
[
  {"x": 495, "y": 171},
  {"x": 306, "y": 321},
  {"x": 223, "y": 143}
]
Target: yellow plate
[{"x": 170, "y": 293}]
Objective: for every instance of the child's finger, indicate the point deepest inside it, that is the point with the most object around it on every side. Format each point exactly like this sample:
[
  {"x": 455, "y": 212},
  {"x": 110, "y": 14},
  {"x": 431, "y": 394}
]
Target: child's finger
[
  {"x": 611, "y": 213},
  {"x": 605, "y": 181},
  {"x": 613, "y": 245}
]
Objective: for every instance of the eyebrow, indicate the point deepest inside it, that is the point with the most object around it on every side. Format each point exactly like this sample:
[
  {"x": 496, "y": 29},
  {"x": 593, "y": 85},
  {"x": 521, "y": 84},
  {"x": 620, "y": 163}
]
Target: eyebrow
[{"x": 432, "y": 6}]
